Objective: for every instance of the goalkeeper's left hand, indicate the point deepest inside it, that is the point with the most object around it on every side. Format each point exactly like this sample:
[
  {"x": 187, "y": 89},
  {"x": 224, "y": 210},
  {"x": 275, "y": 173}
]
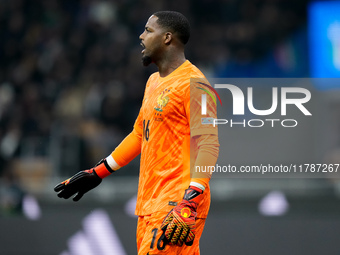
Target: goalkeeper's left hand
[{"x": 179, "y": 225}]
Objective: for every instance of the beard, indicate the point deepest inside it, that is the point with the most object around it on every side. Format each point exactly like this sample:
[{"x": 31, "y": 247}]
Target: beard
[{"x": 146, "y": 60}]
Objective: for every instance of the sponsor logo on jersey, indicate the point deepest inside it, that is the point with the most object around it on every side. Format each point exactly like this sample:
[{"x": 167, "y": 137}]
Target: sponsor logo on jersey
[{"x": 207, "y": 120}]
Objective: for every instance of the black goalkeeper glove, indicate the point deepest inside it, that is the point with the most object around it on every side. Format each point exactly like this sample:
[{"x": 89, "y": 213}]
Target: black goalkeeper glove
[{"x": 82, "y": 182}]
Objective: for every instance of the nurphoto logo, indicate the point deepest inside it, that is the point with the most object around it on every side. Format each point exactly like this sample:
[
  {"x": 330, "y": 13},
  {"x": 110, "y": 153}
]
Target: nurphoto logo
[{"x": 238, "y": 106}]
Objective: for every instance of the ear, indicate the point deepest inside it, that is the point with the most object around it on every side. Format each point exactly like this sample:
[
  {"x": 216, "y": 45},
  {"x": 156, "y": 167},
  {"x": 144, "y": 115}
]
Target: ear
[{"x": 168, "y": 37}]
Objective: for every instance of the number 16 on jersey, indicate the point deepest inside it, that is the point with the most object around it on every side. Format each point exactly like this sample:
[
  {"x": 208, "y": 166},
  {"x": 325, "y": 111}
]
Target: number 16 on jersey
[{"x": 146, "y": 130}]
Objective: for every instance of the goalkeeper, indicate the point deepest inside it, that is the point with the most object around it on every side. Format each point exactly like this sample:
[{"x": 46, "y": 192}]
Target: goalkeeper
[{"x": 172, "y": 201}]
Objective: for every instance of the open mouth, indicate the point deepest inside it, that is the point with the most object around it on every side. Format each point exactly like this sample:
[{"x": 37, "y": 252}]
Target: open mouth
[{"x": 142, "y": 44}]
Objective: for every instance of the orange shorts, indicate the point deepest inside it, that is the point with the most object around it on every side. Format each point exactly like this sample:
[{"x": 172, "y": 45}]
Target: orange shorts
[{"x": 149, "y": 233}]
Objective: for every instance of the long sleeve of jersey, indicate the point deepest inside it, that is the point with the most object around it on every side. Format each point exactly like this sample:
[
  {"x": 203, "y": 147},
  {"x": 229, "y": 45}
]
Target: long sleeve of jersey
[
  {"x": 208, "y": 149},
  {"x": 128, "y": 149},
  {"x": 131, "y": 146}
]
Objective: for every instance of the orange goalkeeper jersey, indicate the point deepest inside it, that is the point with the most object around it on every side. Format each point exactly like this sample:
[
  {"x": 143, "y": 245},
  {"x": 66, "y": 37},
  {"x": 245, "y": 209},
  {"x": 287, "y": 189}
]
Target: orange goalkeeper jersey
[{"x": 164, "y": 125}]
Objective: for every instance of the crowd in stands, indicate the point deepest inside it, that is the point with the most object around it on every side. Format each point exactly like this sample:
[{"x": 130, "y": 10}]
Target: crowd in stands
[{"x": 74, "y": 67}]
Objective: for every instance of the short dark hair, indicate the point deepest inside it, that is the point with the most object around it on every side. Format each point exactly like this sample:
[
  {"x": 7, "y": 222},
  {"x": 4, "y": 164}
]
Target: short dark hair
[{"x": 176, "y": 22}]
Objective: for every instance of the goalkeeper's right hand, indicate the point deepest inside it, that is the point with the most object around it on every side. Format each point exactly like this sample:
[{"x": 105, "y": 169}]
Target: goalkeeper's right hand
[{"x": 83, "y": 181}]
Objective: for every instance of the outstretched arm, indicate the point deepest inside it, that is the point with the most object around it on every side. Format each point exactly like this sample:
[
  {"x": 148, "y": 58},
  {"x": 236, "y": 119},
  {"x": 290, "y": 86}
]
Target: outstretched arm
[{"x": 84, "y": 181}]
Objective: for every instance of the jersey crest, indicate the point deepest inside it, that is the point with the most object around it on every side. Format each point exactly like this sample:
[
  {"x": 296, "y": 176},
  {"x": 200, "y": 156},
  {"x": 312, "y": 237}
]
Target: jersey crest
[{"x": 162, "y": 100}]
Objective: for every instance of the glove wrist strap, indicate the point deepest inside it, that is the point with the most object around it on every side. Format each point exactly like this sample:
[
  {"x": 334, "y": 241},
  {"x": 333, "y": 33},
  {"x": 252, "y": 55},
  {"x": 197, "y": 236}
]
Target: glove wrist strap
[
  {"x": 103, "y": 169},
  {"x": 192, "y": 196}
]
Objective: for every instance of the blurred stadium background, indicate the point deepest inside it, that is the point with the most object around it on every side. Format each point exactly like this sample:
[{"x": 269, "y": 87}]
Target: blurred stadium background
[{"x": 71, "y": 84}]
